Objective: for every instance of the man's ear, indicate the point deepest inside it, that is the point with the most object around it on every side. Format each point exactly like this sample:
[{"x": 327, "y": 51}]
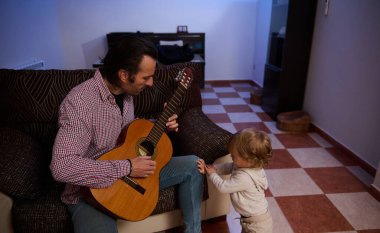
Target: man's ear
[{"x": 123, "y": 75}]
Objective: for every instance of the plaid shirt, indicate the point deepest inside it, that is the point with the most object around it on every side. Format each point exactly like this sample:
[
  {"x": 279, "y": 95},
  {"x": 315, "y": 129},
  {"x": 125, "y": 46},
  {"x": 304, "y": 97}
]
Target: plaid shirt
[{"x": 90, "y": 122}]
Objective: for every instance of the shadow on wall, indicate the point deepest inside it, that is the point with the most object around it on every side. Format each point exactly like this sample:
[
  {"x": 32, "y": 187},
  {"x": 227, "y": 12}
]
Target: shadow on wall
[{"x": 93, "y": 50}]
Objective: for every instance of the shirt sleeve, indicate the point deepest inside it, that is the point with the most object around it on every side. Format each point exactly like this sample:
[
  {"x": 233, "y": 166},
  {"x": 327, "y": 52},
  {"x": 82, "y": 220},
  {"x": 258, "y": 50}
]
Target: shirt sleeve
[
  {"x": 224, "y": 168},
  {"x": 238, "y": 181},
  {"x": 71, "y": 162}
]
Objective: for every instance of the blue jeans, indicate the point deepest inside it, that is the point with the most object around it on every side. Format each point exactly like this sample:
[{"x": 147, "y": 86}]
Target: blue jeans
[{"x": 181, "y": 171}]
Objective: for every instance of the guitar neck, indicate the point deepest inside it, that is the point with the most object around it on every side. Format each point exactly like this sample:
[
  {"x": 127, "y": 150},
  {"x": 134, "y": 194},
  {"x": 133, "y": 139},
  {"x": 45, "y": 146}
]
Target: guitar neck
[{"x": 160, "y": 125}]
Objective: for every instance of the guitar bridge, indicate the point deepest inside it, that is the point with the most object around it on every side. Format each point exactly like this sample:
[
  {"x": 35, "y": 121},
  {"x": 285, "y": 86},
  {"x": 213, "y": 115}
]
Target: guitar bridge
[{"x": 134, "y": 185}]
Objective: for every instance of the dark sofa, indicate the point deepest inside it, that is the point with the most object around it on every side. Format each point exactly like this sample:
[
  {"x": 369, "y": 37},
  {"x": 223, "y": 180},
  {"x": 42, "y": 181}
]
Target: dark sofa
[{"x": 29, "y": 102}]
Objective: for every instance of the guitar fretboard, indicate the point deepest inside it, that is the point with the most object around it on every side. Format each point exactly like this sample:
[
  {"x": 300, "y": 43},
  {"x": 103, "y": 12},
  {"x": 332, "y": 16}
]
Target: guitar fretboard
[{"x": 160, "y": 126}]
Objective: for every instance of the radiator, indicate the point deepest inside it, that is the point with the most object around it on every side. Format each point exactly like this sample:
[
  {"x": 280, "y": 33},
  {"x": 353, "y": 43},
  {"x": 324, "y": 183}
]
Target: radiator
[{"x": 34, "y": 65}]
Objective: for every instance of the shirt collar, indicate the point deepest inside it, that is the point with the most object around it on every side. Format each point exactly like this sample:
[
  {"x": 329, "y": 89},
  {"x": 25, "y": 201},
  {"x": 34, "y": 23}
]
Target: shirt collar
[{"x": 105, "y": 93}]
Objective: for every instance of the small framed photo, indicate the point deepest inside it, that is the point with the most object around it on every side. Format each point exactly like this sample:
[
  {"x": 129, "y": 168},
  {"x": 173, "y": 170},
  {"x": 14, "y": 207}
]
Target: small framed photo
[{"x": 181, "y": 29}]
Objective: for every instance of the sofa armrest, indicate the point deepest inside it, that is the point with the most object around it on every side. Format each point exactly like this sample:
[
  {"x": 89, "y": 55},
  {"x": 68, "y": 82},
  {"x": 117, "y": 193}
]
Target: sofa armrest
[
  {"x": 200, "y": 136},
  {"x": 21, "y": 166},
  {"x": 5, "y": 213}
]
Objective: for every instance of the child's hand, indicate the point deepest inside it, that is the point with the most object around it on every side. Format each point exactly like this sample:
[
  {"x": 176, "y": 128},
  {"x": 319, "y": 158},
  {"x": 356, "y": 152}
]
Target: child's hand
[
  {"x": 201, "y": 166},
  {"x": 210, "y": 169}
]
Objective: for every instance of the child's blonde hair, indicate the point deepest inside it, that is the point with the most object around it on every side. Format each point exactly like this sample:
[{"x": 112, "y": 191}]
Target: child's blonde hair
[{"x": 253, "y": 146}]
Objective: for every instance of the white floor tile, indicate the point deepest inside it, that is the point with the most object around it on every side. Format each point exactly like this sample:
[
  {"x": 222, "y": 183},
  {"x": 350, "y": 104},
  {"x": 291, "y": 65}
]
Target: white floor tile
[
  {"x": 224, "y": 89},
  {"x": 232, "y": 101},
  {"x": 256, "y": 108},
  {"x": 314, "y": 157},
  {"x": 233, "y": 221},
  {"x": 213, "y": 109},
  {"x": 291, "y": 182},
  {"x": 360, "y": 209},
  {"x": 272, "y": 127},
  {"x": 209, "y": 95},
  {"x": 228, "y": 126},
  {"x": 245, "y": 94},
  {"x": 276, "y": 144},
  {"x": 280, "y": 224},
  {"x": 239, "y": 117}
]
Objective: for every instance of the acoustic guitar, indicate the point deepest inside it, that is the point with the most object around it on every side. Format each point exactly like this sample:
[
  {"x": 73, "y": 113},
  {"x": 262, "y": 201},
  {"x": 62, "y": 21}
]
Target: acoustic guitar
[{"x": 131, "y": 198}]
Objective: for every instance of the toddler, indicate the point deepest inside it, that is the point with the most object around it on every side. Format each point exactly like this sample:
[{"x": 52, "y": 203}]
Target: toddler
[{"x": 250, "y": 151}]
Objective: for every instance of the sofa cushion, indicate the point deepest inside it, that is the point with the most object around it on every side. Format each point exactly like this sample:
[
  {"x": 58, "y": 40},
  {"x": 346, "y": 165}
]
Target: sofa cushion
[
  {"x": 43, "y": 215},
  {"x": 198, "y": 135},
  {"x": 21, "y": 171}
]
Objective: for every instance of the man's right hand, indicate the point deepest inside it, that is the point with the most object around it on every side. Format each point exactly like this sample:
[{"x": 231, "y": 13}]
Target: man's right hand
[{"x": 142, "y": 166}]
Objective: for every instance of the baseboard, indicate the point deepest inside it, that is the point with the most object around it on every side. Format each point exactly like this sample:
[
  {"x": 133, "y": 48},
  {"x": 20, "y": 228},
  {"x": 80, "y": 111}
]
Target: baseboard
[
  {"x": 374, "y": 192},
  {"x": 363, "y": 164}
]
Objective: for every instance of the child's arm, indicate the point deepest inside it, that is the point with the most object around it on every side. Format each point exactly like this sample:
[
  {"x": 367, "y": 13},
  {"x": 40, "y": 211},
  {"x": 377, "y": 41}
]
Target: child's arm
[
  {"x": 221, "y": 169},
  {"x": 235, "y": 183}
]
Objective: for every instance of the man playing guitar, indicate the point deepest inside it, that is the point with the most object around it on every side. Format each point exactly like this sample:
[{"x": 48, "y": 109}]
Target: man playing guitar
[{"x": 91, "y": 118}]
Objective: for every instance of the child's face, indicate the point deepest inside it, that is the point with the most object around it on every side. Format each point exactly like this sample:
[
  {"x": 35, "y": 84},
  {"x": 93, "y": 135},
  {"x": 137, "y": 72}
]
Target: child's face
[{"x": 238, "y": 160}]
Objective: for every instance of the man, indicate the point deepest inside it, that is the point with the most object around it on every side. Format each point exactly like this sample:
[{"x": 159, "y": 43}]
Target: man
[{"x": 92, "y": 116}]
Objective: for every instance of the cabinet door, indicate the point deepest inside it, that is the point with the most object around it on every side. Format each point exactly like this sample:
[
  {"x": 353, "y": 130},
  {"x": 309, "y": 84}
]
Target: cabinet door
[
  {"x": 272, "y": 75},
  {"x": 288, "y": 57}
]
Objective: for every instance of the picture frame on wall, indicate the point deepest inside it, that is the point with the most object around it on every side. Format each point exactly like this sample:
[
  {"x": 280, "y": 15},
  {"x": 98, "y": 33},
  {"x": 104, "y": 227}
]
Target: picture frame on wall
[{"x": 181, "y": 29}]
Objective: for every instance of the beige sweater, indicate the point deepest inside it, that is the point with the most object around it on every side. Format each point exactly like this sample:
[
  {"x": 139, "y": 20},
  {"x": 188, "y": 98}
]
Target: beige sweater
[{"x": 246, "y": 188}]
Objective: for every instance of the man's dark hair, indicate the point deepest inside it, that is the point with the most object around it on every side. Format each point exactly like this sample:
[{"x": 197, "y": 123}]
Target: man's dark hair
[{"x": 127, "y": 54}]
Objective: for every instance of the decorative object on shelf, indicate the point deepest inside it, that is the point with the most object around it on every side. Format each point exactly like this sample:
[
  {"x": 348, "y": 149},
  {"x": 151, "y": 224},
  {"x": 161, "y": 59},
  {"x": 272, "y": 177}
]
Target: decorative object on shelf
[{"x": 181, "y": 29}]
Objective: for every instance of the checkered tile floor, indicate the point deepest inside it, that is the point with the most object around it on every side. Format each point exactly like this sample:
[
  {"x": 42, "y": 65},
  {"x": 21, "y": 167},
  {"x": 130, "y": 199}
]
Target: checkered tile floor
[{"x": 313, "y": 187}]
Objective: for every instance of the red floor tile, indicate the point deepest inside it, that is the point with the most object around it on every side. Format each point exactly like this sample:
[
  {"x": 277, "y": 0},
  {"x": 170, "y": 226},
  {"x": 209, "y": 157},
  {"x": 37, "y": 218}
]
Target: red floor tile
[
  {"x": 237, "y": 108},
  {"x": 228, "y": 95},
  {"x": 335, "y": 180},
  {"x": 219, "y": 117},
  {"x": 342, "y": 157},
  {"x": 244, "y": 89},
  {"x": 263, "y": 116},
  {"x": 210, "y": 101},
  {"x": 297, "y": 140},
  {"x": 312, "y": 213},
  {"x": 207, "y": 89},
  {"x": 282, "y": 159}
]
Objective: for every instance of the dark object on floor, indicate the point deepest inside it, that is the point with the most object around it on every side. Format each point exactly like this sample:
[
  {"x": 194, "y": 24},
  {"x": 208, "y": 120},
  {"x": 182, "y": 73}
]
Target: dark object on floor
[
  {"x": 256, "y": 95},
  {"x": 296, "y": 121}
]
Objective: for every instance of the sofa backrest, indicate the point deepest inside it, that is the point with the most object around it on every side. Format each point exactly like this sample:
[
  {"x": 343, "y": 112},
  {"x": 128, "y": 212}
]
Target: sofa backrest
[{"x": 30, "y": 99}]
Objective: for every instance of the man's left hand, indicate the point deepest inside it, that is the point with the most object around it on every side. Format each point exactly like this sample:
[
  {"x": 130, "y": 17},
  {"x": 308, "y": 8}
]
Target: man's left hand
[{"x": 172, "y": 124}]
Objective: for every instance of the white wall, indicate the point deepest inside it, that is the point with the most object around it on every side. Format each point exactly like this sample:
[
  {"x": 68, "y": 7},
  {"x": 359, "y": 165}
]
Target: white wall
[
  {"x": 264, "y": 8},
  {"x": 343, "y": 85},
  {"x": 29, "y": 31},
  {"x": 229, "y": 26}
]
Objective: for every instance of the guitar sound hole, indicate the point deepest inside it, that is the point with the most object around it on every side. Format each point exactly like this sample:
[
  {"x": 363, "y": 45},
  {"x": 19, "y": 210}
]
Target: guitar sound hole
[{"x": 148, "y": 147}]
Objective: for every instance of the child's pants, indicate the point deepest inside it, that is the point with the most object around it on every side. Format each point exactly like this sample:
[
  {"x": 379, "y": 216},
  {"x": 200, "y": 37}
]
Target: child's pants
[{"x": 257, "y": 224}]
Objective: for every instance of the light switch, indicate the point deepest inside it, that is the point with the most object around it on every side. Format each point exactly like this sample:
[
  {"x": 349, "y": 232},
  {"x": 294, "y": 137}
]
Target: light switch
[{"x": 327, "y": 3}]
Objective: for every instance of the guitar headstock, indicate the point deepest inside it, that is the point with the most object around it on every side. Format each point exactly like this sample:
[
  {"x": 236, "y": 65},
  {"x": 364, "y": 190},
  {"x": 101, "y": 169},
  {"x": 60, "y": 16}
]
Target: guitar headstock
[{"x": 185, "y": 76}]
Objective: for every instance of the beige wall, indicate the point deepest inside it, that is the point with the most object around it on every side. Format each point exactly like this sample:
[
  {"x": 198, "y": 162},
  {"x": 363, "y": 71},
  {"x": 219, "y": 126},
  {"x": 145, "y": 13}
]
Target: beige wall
[{"x": 342, "y": 93}]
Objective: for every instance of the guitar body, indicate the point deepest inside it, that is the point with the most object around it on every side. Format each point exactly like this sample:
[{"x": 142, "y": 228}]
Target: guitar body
[{"x": 122, "y": 199}]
